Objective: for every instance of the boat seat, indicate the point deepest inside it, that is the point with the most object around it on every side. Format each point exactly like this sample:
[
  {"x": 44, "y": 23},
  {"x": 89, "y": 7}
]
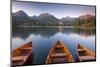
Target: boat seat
[
  {"x": 59, "y": 60},
  {"x": 18, "y": 58},
  {"x": 59, "y": 55},
  {"x": 27, "y": 48},
  {"x": 59, "y": 46},
  {"x": 82, "y": 50},
  {"x": 17, "y": 63},
  {"x": 87, "y": 58}
]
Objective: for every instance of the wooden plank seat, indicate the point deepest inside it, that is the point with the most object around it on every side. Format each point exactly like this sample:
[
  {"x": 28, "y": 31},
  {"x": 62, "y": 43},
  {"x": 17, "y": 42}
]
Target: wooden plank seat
[
  {"x": 58, "y": 46},
  {"x": 17, "y": 63},
  {"x": 82, "y": 50},
  {"x": 58, "y": 54},
  {"x": 87, "y": 58},
  {"x": 28, "y": 48},
  {"x": 18, "y": 58}
]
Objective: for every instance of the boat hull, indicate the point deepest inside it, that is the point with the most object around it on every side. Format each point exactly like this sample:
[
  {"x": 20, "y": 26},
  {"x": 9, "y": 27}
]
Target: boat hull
[
  {"x": 59, "y": 54},
  {"x": 85, "y": 54},
  {"x": 22, "y": 55}
]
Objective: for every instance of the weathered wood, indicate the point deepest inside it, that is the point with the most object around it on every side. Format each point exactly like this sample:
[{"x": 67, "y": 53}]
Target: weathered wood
[
  {"x": 59, "y": 54},
  {"x": 22, "y": 55},
  {"x": 85, "y": 54}
]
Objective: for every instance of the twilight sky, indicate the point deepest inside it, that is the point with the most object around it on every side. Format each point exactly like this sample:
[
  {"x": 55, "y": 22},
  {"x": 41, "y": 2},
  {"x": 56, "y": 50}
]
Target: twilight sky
[{"x": 58, "y": 10}]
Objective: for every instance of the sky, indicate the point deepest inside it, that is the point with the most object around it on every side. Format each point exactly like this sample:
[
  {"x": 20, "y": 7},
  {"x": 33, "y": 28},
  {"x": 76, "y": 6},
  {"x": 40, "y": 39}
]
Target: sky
[{"x": 58, "y": 10}]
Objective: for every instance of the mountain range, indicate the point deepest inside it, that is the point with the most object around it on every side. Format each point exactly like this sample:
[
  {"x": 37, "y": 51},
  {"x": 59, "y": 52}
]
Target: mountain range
[{"x": 20, "y": 18}]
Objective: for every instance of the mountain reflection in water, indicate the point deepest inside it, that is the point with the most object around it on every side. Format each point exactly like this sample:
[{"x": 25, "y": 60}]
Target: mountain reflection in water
[{"x": 44, "y": 38}]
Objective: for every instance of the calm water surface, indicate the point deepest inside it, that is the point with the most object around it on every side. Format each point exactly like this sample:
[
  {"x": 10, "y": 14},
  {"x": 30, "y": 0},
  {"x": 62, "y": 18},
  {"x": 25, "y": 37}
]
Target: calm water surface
[{"x": 44, "y": 38}]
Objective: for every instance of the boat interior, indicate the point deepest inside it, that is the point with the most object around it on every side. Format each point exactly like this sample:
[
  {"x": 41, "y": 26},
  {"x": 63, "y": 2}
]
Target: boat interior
[
  {"x": 85, "y": 54},
  {"x": 19, "y": 55},
  {"x": 59, "y": 54}
]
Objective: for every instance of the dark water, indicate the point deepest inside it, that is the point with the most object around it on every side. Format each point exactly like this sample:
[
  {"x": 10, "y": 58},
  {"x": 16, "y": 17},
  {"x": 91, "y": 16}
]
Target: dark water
[{"x": 44, "y": 38}]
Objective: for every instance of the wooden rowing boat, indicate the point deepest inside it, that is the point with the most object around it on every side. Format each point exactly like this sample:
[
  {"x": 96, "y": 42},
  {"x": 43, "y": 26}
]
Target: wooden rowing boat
[
  {"x": 85, "y": 54},
  {"x": 59, "y": 54},
  {"x": 22, "y": 55}
]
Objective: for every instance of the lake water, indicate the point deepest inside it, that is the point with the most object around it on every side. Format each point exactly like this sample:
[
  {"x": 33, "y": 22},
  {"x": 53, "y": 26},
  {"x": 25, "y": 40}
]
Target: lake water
[{"x": 44, "y": 38}]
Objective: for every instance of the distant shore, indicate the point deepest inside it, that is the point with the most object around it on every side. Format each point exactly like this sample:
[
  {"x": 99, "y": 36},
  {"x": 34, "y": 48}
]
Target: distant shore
[{"x": 63, "y": 26}]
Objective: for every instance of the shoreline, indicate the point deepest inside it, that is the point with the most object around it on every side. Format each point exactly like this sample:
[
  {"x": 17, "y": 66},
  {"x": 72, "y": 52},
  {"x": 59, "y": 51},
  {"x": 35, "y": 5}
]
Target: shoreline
[{"x": 62, "y": 26}]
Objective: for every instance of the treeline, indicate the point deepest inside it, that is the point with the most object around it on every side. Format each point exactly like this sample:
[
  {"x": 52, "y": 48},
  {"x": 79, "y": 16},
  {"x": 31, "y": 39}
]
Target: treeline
[{"x": 85, "y": 23}]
